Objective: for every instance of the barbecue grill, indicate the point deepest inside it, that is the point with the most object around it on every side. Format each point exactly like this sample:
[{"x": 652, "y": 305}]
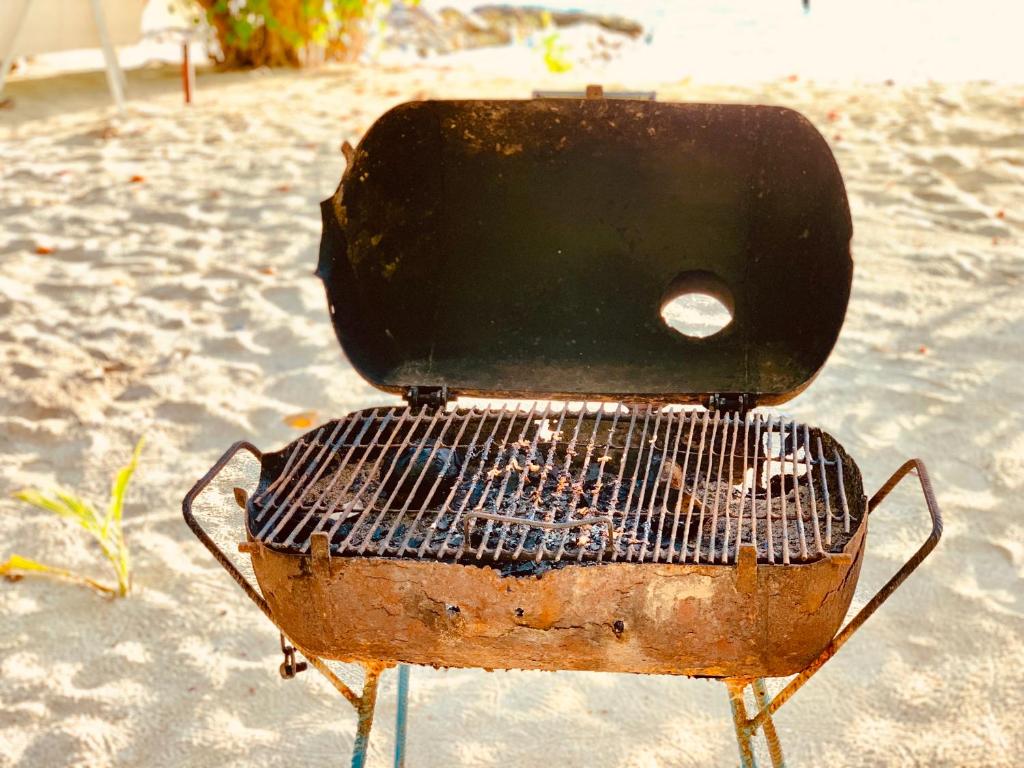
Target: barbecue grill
[{"x": 638, "y": 513}]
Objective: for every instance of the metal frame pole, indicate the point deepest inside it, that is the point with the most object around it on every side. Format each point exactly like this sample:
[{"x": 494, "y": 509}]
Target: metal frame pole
[
  {"x": 115, "y": 77},
  {"x": 771, "y": 736},
  {"x": 401, "y": 715},
  {"x": 741, "y": 723}
]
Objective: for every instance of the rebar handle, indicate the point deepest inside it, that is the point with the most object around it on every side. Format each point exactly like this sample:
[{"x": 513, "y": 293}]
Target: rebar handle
[
  {"x": 203, "y": 536},
  {"x": 363, "y": 703},
  {"x": 881, "y": 595}
]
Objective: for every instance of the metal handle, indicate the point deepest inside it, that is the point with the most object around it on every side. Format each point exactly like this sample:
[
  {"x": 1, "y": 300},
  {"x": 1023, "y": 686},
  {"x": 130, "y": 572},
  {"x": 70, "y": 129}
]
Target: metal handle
[
  {"x": 364, "y": 703},
  {"x": 882, "y": 595},
  {"x": 543, "y": 524},
  {"x": 203, "y": 536}
]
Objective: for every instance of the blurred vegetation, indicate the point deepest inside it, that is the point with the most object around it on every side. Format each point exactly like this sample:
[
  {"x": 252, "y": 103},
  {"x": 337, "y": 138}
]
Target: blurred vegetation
[
  {"x": 276, "y": 33},
  {"x": 555, "y": 52},
  {"x": 104, "y": 528},
  {"x": 556, "y": 57}
]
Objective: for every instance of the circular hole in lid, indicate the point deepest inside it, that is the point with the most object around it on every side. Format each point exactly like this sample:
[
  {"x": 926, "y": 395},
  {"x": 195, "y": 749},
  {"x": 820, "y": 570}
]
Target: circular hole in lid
[{"x": 697, "y": 305}]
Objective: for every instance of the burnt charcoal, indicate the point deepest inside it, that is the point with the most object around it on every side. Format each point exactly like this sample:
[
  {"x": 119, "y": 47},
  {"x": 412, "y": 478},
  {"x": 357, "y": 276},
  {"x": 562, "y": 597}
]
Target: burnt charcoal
[
  {"x": 416, "y": 470},
  {"x": 780, "y": 484}
]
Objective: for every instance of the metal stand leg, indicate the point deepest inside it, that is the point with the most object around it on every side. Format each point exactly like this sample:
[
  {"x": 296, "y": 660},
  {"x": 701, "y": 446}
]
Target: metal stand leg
[
  {"x": 771, "y": 736},
  {"x": 401, "y": 715},
  {"x": 746, "y": 727},
  {"x": 739, "y": 720},
  {"x": 367, "y": 703}
]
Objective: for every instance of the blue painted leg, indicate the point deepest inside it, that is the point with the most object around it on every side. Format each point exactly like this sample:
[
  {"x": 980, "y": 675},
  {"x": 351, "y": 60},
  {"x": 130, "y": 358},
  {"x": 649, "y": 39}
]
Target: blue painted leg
[
  {"x": 367, "y": 703},
  {"x": 401, "y": 715}
]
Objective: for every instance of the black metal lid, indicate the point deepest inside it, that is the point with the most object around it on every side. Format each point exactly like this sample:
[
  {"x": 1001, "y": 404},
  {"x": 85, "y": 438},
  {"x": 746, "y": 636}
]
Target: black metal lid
[{"x": 526, "y": 248}]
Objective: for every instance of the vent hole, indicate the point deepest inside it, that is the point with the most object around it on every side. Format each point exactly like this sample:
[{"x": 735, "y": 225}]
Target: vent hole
[{"x": 698, "y": 306}]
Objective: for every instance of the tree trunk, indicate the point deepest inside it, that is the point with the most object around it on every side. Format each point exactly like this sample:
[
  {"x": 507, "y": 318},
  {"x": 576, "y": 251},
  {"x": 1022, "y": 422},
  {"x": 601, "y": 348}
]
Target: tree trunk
[{"x": 266, "y": 47}]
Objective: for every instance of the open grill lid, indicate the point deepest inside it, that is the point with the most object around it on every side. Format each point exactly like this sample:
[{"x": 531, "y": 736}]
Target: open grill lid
[{"x": 526, "y": 248}]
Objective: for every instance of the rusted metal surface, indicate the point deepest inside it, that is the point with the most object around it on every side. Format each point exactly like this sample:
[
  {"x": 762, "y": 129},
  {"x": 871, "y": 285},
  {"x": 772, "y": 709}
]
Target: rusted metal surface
[
  {"x": 935, "y": 515},
  {"x": 524, "y": 249},
  {"x": 691, "y": 619},
  {"x": 745, "y": 729},
  {"x": 550, "y": 483}
]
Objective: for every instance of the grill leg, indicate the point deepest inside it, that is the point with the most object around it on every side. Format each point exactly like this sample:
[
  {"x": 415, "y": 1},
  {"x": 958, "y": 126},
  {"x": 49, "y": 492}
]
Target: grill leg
[
  {"x": 739, "y": 720},
  {"x": 771, "y": 736},
  {"x": 367, "y": 703},
  {"x": 401, "y": 715}
]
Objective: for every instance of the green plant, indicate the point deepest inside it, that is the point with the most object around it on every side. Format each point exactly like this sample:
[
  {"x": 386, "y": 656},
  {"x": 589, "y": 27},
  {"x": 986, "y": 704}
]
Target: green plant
[
  {"x": 254, "y": 33},
  {"x": 106, "y": 529}
]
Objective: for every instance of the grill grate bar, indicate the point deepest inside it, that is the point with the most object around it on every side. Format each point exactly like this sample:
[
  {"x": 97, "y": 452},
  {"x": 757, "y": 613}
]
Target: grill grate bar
[
  {"x": 435, "y": 525},
  {"x": 549, "y": 464},
  {"x": 617, "y": 485},
  {"x": 325, "y": 493},
  {"x": 693, "y": 495},
  {"x": 289, "y": 472},
  {"x": 644, "y": 482},
  {"x": 809, "y": 473},
  {"x": 679, "y": 498},
  {"x": 664, "y": 473},
  {"x": 755, "y": 483},
  {"x": 504, "y": 473},
  {"x": 449, "y": 459},
  {"x": 769, "y": 456},
  {"x": 314, "y": 470},
  {"x": 728, "y": 497},
  {"x": 541, "y": 483},
  {"x": 578, "y": 486},
  {"x": 412, "y": 461},
  {"x": 524, "y": 476},
  {"x": 794, "y": 475},
  {"x": 492, "y": 473},
  {"x": 620, "y": 531},
  {"x": 707, "y": 485},
  {"x": 718, "y": 492},
  {"x": 602, "y": 462},
  {"x": 824, "y": 494},
  {"x": 484, "y": 453},
  {"x": 842, "y": 494},
  {"x": 394, "y": 464},
  {"x": 349, "y": 506},
  {"x": 674, "y": 475}
]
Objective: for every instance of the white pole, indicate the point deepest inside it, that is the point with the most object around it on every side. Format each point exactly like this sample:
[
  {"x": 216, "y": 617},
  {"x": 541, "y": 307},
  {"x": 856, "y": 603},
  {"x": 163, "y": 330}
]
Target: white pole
[{"x": 115, "y": 77}]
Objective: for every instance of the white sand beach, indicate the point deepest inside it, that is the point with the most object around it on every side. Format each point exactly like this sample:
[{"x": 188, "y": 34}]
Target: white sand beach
[{"x": 156, "y": 279}]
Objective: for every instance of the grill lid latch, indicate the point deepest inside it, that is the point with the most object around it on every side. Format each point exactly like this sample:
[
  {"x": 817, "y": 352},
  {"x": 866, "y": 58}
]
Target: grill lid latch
[
  {"x": 432, "y": 397},
  {"x": 730, "y": 403}
]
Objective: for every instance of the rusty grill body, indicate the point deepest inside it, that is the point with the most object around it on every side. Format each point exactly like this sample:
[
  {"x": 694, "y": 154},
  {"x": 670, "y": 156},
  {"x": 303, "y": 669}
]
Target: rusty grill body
[
  {"x": 524, "y": 250},
  {"x": 659, "y": 540}
]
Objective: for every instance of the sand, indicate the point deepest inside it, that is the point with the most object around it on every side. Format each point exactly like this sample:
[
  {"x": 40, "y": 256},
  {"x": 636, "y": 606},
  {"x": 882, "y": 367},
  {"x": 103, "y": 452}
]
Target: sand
[{"x": 181, "y": 305}]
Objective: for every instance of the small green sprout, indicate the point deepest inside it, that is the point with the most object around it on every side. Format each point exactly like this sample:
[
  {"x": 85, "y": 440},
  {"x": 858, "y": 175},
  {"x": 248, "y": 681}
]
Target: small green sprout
[{"x": 105, "y": 529}]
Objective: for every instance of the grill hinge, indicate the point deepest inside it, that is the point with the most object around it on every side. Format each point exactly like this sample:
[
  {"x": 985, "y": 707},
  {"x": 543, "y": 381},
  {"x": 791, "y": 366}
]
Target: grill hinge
[
  {"x": 730, "y": 403},
  {"x": 432, "y": 397}
]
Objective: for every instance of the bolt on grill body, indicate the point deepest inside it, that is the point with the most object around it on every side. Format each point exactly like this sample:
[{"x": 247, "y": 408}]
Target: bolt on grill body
[{"x": 553, "y": 484}]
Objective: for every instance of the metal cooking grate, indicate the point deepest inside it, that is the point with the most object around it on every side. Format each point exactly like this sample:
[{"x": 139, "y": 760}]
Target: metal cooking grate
[{"x": 546, "y": 482}]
